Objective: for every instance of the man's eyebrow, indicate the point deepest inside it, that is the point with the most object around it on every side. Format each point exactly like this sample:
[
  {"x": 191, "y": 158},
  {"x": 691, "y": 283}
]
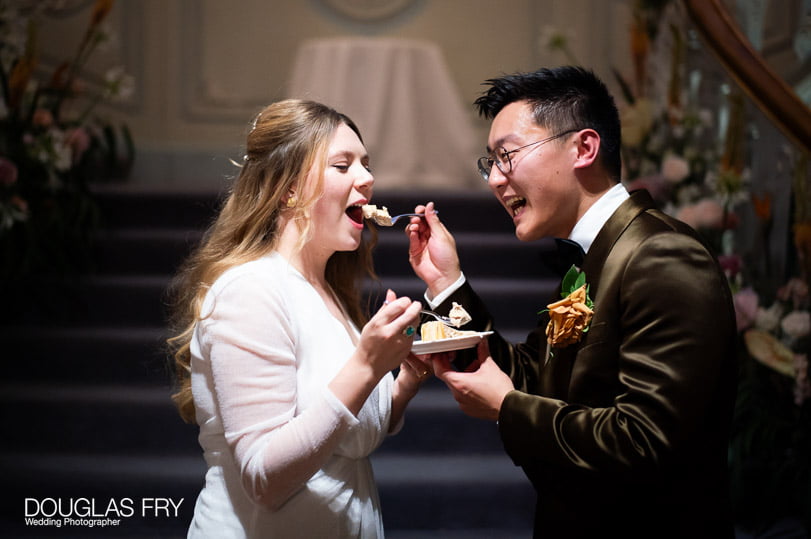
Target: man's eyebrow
[{"x": 499, "y": 142}]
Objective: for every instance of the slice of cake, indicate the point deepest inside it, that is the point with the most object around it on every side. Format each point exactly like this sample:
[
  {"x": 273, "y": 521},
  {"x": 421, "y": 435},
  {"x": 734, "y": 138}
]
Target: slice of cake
[
  {"x": 435, "y": 330},
  {"x": 378, "y": 215}
]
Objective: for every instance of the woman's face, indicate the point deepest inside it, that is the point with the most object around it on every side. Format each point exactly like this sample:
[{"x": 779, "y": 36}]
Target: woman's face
[{"x": 348, "y": 184}]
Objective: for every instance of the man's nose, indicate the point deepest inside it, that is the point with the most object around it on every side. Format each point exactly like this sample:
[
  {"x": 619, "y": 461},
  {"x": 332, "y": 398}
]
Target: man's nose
[{"x": 496, "y": 178}]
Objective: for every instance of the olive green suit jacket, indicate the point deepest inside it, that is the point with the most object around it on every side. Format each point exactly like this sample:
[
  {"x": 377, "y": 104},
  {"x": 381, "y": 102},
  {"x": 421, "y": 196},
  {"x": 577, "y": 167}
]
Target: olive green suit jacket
[{"x": 625, "y": 433}]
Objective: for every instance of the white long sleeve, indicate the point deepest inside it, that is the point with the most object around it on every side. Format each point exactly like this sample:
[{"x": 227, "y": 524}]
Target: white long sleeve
[
  {"x": 253, "y": 362},
  {"x": 261, "y": 362}
]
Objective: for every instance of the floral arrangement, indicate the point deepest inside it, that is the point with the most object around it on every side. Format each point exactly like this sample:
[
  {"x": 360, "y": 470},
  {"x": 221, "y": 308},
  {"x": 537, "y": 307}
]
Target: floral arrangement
[
  {"x": 770, "y": 453},
  {"x": 570, "y": 317},
  {"x": 691, "y": 158},
  {"x": 52, "y": 145}
]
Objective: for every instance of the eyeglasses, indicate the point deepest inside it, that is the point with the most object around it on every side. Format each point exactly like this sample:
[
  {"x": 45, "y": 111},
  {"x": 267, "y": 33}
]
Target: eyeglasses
[{"x": 501, "y": 157}]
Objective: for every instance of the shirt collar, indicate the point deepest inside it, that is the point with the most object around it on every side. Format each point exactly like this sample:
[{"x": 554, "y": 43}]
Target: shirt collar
[{"x": 595, "y": 217}]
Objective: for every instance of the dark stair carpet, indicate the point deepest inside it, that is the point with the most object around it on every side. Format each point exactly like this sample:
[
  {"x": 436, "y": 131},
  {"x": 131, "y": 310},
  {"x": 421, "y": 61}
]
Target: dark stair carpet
[{"x": 85, "y": 396}]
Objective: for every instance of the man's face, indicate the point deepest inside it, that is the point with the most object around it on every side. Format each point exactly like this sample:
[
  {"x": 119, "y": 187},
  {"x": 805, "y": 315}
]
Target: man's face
[{"x": 540, "y": 192}]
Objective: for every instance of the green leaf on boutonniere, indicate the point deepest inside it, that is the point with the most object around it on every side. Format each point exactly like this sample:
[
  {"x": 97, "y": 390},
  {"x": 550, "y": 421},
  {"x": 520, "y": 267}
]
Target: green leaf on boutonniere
[
  {"x": 573, "y": 280},
  {"x": 570, "y": 317}
]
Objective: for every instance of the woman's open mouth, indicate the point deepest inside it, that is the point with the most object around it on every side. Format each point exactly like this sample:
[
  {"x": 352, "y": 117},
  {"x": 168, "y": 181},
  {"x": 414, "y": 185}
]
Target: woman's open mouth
[{"x": 355, "y": 212}]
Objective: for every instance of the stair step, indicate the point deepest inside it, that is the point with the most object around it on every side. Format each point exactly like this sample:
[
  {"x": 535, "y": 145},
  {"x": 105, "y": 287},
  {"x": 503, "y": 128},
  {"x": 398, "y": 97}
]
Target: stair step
[
  {"x": 454, "y": 492},
  {"x": 86, "y": 355},
  {"x": 138, "y": 251},
  {"x": 120, "y": 301},
  {"x": 122, "y": 252},
  {"x": 101, "y": 420},
  {"x": 98, "y": 355},
  {"x": 89, "y": 418},
  {"x": 127, "y": 206}
]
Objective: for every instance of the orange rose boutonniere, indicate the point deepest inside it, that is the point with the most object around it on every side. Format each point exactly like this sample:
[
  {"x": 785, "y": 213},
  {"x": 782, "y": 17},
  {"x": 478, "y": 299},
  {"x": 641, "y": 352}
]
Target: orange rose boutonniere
[{"x": 571, "y": 316}]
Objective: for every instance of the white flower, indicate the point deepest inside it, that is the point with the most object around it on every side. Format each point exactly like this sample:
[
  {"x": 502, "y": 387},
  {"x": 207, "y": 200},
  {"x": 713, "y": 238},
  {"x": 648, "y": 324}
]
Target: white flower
[
  {"x": 769, "y": 319},
  {"x": 119, "y": 86},
  {"x": 63, "y": 154},
  {"x": 796, "y": 324}
]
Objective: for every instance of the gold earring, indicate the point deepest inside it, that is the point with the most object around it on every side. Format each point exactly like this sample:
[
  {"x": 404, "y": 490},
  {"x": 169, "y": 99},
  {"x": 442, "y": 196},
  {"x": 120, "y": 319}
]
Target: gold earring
[{"x": 291, "y": 201}]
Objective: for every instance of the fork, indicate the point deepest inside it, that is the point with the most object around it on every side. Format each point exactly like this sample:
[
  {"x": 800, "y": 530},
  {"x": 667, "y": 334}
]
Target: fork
[
  {"x": 444, "y": 319},
  {"x": 395, "y": 218}
]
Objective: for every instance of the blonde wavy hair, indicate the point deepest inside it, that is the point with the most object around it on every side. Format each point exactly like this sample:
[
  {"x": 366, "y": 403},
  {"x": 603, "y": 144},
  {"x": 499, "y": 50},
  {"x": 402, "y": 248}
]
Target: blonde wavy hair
[{"x": 286, "y": 140}]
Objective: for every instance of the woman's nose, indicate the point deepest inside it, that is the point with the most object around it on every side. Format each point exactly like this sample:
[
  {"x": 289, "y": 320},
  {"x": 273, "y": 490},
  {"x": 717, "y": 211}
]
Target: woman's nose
[{"x": 364, "y": 177}]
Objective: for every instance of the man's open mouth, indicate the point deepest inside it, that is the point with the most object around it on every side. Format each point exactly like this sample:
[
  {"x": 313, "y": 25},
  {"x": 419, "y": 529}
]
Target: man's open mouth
[{"x": 515, "y": 204}]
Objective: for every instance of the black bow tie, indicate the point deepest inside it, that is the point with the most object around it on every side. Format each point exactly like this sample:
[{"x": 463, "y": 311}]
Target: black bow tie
[{"x": 569, "y": 253}]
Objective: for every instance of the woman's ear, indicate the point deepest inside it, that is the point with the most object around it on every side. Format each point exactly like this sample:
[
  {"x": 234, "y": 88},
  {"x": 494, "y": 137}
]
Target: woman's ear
[{"x": 588, "y": 147}]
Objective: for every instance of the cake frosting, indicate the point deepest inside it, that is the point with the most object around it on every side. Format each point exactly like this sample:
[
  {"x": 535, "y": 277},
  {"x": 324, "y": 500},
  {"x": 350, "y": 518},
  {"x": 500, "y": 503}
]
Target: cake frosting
[
  {"x": 378, "y": 215},
  {"x": 458, "y": 315}
]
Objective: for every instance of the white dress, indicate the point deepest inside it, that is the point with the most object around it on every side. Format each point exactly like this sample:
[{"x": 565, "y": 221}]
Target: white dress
[{"x": 285, "y": 457}]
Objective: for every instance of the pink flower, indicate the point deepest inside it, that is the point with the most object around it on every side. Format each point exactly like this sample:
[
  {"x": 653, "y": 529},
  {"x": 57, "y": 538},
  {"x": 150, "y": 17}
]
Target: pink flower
[
  {"x": 687, "y": 214},
  {"x": 709, "y": 214},
  {"x": 746, "y": 308},
  {"x": 655, "y": 185},
  {"x": 8, "y": 172},
  {"x": 795, "y": 290},
  {"x": 675, "y": 168}
]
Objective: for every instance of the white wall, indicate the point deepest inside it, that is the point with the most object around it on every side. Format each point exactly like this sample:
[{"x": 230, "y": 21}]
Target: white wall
[{"x": 203, "y": 68}]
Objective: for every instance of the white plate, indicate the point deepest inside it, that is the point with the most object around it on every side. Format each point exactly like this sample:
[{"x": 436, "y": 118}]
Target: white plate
[{"x": 446, "y": 345}]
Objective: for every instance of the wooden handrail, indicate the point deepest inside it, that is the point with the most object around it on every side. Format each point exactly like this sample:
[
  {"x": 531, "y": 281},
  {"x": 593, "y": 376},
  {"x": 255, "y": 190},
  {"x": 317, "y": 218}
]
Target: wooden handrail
[{"x": 770, "y": 92}]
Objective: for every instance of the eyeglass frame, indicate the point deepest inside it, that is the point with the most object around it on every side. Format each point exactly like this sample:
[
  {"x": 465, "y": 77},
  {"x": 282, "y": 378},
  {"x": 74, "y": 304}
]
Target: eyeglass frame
[{"x": 485, "y": 172}]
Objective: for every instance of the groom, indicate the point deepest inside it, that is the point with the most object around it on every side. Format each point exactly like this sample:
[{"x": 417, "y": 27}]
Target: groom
[{"x": 619, "y": 411}]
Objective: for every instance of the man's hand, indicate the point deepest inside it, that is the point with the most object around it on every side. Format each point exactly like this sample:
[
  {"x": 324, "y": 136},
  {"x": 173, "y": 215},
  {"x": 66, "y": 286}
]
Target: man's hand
[
  {"x": 479, "y": 391},
  {"x": 432, "y": 250}
]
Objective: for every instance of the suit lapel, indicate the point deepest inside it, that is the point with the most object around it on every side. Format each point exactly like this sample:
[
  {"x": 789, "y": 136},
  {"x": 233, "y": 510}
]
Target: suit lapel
[{"x": 595, "y": 259}]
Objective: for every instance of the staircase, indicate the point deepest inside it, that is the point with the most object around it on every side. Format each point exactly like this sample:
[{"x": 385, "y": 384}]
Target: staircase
[{"x": 90, "y": 426}]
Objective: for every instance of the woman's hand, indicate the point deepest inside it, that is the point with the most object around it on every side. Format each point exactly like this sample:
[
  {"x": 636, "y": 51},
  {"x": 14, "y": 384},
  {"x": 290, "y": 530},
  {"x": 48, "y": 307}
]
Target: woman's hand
[
  {"x": 386, "y": 339},
  {"x": 414, "y": 371},
  {"x": 384, "y": 343},
  {"x": 432, "y": 250}
]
